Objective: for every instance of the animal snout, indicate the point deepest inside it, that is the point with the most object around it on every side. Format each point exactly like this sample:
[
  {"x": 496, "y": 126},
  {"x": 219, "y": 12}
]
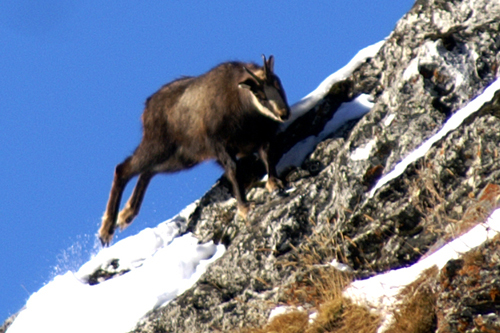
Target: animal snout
[{"x": 284, "y": 113}]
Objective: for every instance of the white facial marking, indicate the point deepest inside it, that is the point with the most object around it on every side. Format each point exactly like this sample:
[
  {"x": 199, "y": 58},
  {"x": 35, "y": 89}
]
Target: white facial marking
[{"x": 265, "y": 111}]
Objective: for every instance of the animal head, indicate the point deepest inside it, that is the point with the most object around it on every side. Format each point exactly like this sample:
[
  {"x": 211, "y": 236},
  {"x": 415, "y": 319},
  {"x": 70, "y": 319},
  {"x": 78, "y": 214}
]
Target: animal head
[{"x": 266, "y": 92}]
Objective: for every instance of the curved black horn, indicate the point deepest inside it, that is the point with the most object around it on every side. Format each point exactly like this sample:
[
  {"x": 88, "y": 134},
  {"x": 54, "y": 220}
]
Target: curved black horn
[
  {"x": 259, "y": 81},
  {"x": 265, "y": 64},
  {"x": 270, "y": 63}
]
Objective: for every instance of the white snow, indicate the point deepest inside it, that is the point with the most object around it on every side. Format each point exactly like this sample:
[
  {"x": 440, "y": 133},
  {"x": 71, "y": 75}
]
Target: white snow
[
  {"x": 341, "y": 267},
  {"x": 346, "y": 112},
  {"x": 363, "y": 153},
  {"x": 388, "y": 119},
  {"x": 452, "y": 123},
  {"x": 411, "y": 70},
  {"x": 309, "y": 101},
  {"x": 162, "y": 266},
  {"x": 285, "y": 309},
  {"x": 379, "y": 292}
]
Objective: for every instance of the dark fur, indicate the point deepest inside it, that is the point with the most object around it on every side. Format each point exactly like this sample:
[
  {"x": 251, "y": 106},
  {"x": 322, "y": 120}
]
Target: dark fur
[{"x": 193, "y": 119}]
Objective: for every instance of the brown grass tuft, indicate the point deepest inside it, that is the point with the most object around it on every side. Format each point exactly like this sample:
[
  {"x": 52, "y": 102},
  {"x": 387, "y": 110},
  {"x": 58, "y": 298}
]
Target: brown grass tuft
[
  {"x": 322, "y": 287},
  {"x": 335, "y": 316},
  {"x": 417, "y": 313},
  {"x": 342, "y": 316},
  {"x": 487, "y": 201},
  {"x": 292, "y": 322}
]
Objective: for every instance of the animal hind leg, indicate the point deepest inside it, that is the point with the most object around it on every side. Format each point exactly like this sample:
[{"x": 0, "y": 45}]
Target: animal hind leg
[
  {"x": 151, "y": 162},
  {"x": 123, "y": 173},
  {"x": 131, "y": 209},
  {"x": 132, "y": 166},
  {"x": 229, "y": 163}
]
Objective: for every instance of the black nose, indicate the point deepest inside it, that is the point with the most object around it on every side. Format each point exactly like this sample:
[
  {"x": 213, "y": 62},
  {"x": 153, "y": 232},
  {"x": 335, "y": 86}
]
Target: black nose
[{"x": 285, "y": 114}]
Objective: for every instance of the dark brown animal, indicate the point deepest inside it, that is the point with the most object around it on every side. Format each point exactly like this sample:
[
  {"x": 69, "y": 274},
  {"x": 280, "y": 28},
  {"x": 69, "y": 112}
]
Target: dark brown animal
[{"x": 233, "y": 110}]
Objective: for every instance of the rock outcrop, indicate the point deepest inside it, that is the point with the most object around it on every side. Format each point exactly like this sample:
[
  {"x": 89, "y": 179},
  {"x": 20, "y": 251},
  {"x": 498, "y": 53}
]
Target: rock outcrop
[{"x": 440, "y": 56}]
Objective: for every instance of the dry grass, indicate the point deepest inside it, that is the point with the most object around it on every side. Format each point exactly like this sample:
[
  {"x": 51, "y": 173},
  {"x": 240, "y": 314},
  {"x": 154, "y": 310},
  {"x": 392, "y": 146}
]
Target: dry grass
[
  {"x": 487, "y": 201},
  {"x": 342, "y": 316},
  {"x": 338, "y": 315},
  {"x": 428, "y": 197},
  {"x": 417, "y": 313},
  {"x": 320, "y": 291},
  {"x": 292, "y": 322},
  {"x": 431, "y": 198}
]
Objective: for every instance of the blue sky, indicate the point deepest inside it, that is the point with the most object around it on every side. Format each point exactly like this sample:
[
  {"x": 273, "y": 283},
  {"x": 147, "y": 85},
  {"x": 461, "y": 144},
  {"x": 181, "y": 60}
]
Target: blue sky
[{"x": 74, "y": 78}]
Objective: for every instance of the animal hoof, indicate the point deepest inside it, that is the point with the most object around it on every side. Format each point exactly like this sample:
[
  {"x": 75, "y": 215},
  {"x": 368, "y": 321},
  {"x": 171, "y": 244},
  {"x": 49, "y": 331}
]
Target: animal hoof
[
  {"x": 243, "y": 210},
  {"x": 125, "y": 218},
  {"x": 106, "y": 231},
  {"x": 105, "y": 239},
  {"x": 282, "y": 192},
  {"x": 274, "y": 184}
]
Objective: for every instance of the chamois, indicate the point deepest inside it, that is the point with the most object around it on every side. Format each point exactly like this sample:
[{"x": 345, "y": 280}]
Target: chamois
[{"x": 231, "y": 111}]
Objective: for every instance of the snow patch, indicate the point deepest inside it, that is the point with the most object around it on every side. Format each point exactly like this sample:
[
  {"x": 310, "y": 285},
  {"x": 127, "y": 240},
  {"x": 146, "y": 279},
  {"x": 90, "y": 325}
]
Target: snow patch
[
  {"x": 285, "y": 309},
  {"x": 412, "y": 69},
  {"x": 309, "y": 101},
  {"x": 363, "y": 153},
  {"x": 162, "y": 265},
  {"x": 341, "y": 267},
  {"x": 347, "y": 111},
  {"x": 388, "y": 120}
]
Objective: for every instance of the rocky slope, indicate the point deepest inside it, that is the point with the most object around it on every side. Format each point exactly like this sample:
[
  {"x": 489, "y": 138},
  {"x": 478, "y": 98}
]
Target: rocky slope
[{"x": 440, "y": 55}]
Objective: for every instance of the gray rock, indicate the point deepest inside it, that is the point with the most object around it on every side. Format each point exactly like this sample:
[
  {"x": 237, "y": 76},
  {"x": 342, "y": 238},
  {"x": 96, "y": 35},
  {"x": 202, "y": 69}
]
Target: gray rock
[
  {"x": 468, "y": 292},
  {"x": 440, "y": 56},
  {"x": 7, "y": 323}
]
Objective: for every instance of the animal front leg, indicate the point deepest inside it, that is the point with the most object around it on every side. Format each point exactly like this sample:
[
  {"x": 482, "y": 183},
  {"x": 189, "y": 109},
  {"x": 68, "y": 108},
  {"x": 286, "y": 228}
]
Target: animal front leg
[
  {"x": 131, "y": 209},
  {"x": 273, "y": 182}
]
